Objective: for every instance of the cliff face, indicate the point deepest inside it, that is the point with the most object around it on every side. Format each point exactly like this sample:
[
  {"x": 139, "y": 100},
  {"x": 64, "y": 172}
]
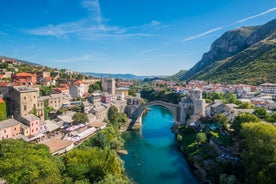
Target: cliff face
[{"x": 232, "y": 44}]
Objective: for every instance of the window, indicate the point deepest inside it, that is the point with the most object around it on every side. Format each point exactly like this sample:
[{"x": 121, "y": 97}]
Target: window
[
  {"x": 7, "y": 136},
  {"x": 25, "y": 107},
  {"x": 36, "y": 122},
  {"x": 36, "y": 129},
  {"x": 14, "y": 128},
  {"x": 24, "y": 98},
  {"x": 32, "y": 130},
  {"x": 4, "y": 131}
]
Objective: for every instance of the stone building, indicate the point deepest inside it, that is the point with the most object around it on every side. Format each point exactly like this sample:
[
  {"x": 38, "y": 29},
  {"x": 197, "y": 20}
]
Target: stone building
[
  {"x": 108, "y": 85},
  {"x": 95, "y": 99},
  {"x": 33, "y": 122},
  {"x": 9, "y": 128},
  {"x": 78, "y": 88},
  {"x": 23, "y": 100},
  {"x": 122, "y": 93},
  {"x": 192, "y": 106}
]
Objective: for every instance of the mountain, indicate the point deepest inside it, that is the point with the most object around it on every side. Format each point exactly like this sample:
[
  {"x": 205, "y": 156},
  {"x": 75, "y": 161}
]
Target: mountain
[
  {"x": 19, "y": 60},
  {"x": 177, "y": 75},
  {"x": 244, "y": 55},
  {"x": 116, "y": 76}
]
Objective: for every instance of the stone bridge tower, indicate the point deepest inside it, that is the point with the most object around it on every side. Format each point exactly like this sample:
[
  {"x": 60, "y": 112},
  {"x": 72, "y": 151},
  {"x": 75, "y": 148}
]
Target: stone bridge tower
[{"x": 192, "y": 107}]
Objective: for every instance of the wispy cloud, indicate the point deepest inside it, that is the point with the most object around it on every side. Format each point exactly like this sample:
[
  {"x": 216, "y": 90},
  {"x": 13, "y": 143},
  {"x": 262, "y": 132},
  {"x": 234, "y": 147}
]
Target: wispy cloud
[
  {"x": 95, "y": 9},
  {"x": 153, "y": 25},
  {"x": 203, "y": 34},
  {"x": 255, "y": 16},
  {"x": 235, "y": 23},
  {"x": 147, "y": 51},
  {"x": 95, "y": 27},
  {"x": 86, "y": 57},
  {"x": 30, "y": 57}
]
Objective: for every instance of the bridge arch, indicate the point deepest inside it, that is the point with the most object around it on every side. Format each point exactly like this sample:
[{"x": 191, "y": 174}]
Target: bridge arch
[{"x": 171, "y": 107}]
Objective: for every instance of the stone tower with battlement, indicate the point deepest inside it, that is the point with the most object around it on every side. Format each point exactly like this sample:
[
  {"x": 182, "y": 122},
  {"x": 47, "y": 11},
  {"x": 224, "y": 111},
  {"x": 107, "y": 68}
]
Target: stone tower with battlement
[{"x": 192, "y": 106}]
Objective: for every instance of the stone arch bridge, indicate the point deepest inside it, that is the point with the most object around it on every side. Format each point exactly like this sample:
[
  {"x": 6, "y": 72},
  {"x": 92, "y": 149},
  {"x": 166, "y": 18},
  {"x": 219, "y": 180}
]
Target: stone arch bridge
[
  {"x": 188, "y": 110},
  {"x": 135, "y": 111}
]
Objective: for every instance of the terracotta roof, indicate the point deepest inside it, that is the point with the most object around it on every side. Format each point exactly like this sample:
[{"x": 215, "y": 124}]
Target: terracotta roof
[
  {"x": 23, "y": 74},
  {"x": 1, "y": 100},
  {"x": 78, "y": 82},
  {"x": 97, "y": 124},
  {"x": 4, "y": 83},
  {"x": 57, "y": 144}
]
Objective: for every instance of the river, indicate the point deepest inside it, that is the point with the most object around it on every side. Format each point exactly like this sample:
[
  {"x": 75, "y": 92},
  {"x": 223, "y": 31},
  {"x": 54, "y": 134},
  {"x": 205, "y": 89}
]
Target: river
[{"x": 153, "y": 157}]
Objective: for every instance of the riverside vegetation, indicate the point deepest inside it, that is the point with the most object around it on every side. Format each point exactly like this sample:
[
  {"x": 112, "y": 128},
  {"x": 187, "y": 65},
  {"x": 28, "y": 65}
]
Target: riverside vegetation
[
  {"x": 94, "y": 161},
  {"x": 245, "y": 149}
]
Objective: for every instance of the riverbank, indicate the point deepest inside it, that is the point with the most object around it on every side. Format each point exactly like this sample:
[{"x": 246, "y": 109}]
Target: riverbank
[{"x": 204, "y": 157}]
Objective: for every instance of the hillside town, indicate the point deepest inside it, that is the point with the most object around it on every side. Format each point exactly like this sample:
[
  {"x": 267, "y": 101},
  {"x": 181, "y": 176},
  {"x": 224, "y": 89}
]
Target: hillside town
[
  {"x": 39, "y": 118},
  {"x": 47, "y": 118}
]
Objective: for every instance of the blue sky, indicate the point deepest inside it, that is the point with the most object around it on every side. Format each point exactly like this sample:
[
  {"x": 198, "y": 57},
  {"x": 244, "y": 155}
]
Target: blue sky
[{"x": 142, "y": 37}]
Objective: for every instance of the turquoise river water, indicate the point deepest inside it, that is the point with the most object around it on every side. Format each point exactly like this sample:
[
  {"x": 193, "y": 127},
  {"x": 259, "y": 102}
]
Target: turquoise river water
[{"x": 153, "y": 157}]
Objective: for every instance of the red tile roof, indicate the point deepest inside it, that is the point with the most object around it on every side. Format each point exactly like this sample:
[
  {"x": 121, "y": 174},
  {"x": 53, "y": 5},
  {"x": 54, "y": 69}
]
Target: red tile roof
[
  {"x": 1, "y": 100},
  {"x": 78, "y": 82},
  {"x": 23, "y": 74},
  {"x": 4, "y": 83}
]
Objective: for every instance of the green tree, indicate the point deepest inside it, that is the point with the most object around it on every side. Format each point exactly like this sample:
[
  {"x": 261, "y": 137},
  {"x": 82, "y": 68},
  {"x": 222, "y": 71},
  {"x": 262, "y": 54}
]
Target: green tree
[
  {"x": 231, "y": 97},
  {"x": 47, "y": 109},
  {"x": 26, "y": 163},
  {"x": 132, "y": 92},
  {"x": 94, "y": 87},
  {"x": 201, "y": 137},
  {"x": 245, "y": 105},
  {"x": 272, "y": 118},
  {"x": 243, "y": 118},
  {"x": 221, "y": 120},
  {"x": 79, "y": 117},
  {"x": 3, "y": 111},
  {"x": 45, "y": 90},
  {"x": 93, "y": 164},
  {"x": 111, "y": 179},
  {"x": 112, "y": 114},
  {"x": 261, "y": 113},
  {"x": 259, "y": 155}
]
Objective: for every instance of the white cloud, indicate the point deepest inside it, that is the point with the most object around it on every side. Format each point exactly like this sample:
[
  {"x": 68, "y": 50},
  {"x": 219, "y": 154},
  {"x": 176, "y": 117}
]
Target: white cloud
[
  {"x": 147, "y": 51},
  {"x": 203, "y": 34},
  {"x": 95, "y": 9},
  {"x": 95, "y": 27},
  {"x": 222, "y": 27},
  {"x": 86, "y": 57},
  {"x": 255, "y": 16}
]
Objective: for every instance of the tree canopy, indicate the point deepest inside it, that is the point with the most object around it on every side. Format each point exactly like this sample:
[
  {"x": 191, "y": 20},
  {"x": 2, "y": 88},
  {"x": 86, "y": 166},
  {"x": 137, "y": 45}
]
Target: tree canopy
[
  {"x": 80, "y": 118},
  {"x": 243, "y": 118},
  {"x": 259, "y": 155},
  {"x": 23, "y": 162},
  {"x": 3, "y": 111},
  {"x": 94, "y": 87},
  {"x": 92, "y": 164}
]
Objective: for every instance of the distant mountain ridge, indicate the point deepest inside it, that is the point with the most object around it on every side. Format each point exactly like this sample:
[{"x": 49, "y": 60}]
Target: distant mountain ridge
[
  {"x": 117, "y": 76},
  {"x": 244, "y": 55}
]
